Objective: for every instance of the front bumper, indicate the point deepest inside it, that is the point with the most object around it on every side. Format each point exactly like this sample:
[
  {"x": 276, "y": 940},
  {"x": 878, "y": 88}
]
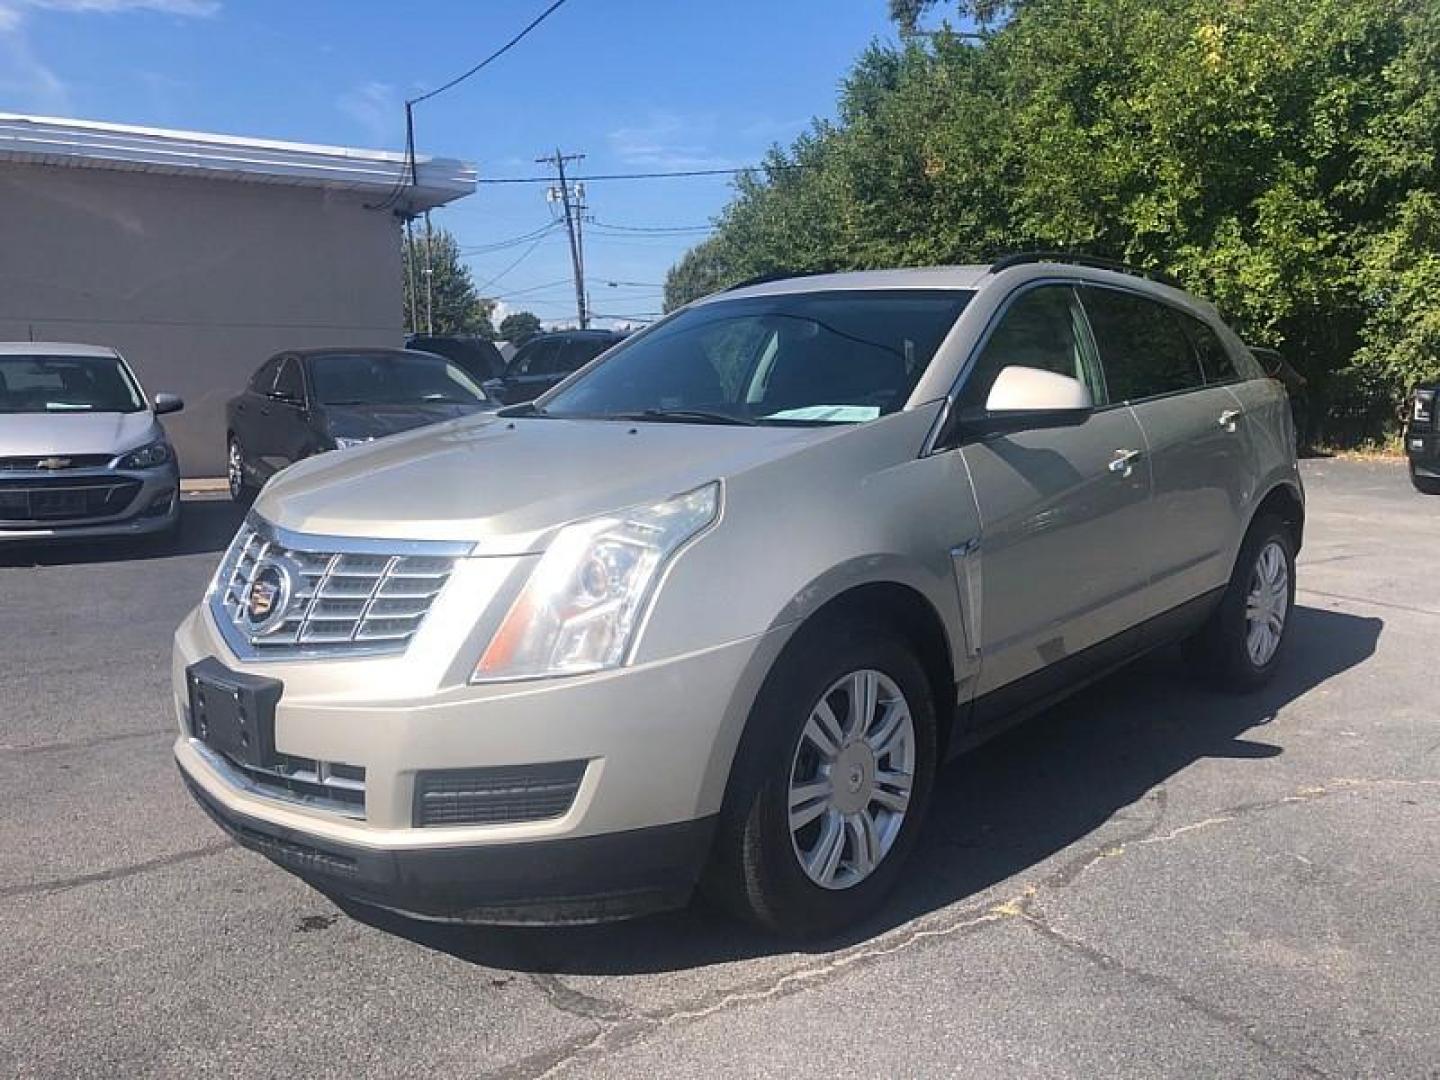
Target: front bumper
[
  {"x": 1423, "y": 449},
  {"x": 583, "y": 879},
  {"x": 154, "y": 508},
  {"x": 657, "y": 741}
]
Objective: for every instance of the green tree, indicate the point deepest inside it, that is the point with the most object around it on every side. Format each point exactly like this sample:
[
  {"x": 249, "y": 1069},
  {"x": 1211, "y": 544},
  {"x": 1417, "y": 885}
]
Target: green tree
[
  {"x": 1278, "y": 156},
  {"x": 454, "y": 307},
  {"x": 519, "y": 327}
]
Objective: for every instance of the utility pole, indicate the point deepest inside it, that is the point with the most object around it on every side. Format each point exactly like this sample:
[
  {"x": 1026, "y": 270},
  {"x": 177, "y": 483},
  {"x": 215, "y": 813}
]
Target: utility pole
[
  {"x": 429, "y": 279},
  {"x": 410, "y": 294},
  {"x": 571, "y": 198}
]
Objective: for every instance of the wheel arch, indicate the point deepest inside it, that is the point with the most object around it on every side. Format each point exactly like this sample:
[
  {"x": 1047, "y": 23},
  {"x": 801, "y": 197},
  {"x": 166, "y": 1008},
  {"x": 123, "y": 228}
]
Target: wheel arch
[
  {"x": 893, "y": 603},
  {"x": 1284, "y": 501}
]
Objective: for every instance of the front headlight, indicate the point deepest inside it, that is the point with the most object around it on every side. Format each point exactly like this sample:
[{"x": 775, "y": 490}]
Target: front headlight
[
  {"x": 579, "y": 610},
  {"x": 146, "y": 457},
  {"x": 344, "y": 442}
]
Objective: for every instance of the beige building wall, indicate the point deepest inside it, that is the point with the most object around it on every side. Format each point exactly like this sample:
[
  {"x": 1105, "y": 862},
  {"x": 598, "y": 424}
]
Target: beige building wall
[{"x": 196, "y": 281}]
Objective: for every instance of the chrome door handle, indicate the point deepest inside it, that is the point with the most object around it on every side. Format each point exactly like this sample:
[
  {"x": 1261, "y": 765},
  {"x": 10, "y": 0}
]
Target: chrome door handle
[
  {"x": 1123, "y": 464},
  {"x": 1229, "y": 417}
]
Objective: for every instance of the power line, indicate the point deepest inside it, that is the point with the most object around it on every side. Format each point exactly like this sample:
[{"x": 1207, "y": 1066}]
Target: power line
[
  {"x": 493, "y": 56},
  {"x": 514, "y": 241},
  {"x": 645, "y": 175},
  {"x": 531, "y": 289},
  {"x": 523, "y": 256},
  {"x": 653, "y": 228}
]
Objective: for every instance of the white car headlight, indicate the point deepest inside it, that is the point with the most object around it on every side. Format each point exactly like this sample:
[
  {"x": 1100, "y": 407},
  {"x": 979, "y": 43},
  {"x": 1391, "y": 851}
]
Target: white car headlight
[
  {"x": 146, "y": 457},
  {"x": 584, "y": 599},
  {"x": 344, "y": 442}
]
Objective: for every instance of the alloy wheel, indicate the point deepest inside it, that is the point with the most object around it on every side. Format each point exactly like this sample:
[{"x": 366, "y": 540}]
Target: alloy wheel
[
  {"x": 851, "y": 779},
  {"x": 235, "y": 470},
  {"x": 1267, "y": 603}
]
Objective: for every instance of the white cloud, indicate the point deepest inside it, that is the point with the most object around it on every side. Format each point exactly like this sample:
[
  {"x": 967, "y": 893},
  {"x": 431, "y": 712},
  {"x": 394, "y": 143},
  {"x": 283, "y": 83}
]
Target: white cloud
[
  {"x": 667, "y": 141},
  {"x": 27, "y": 81},
  {"x": 376, "y": 109},
  {"x": 187, "y": 8}
]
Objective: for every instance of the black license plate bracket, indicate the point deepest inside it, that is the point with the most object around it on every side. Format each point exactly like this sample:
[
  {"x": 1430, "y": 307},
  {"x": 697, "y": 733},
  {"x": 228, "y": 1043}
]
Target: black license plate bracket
[{"x": 233, "y": 712}]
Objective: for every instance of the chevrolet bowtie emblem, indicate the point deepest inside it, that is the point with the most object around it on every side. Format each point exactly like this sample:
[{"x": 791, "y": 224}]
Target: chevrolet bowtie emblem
[{"x": 53, "y": 462}]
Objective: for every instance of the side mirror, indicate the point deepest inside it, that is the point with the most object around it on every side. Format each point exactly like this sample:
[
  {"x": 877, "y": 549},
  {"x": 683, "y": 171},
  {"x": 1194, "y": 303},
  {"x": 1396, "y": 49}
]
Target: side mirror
[
  {"x": 1028, "y": 399},
  {"x": 167, "y": 403},
  {"x": 284, "y": 398}
]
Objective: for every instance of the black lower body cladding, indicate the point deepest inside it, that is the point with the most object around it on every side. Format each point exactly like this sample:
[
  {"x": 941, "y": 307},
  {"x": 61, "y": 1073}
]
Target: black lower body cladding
[{"x": 574, "y": 880}]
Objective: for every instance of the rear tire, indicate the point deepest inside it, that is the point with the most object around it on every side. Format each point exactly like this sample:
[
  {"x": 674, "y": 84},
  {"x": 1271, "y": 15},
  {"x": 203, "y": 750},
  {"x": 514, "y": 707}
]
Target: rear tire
[
  {"x": 1426, "y": 485},
  {"x": 825, "y": 803},
  {"x": 1242, "y": 642}
]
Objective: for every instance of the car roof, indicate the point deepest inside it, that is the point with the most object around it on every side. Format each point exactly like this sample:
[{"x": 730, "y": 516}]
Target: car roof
[
  {"x": 589, "y": 332},
  {"x": 923, "y": 277},
  {"x": 364, "y": 350},
  {"x": 54, "y": 348},
  {"x": 969, "y": 277}
]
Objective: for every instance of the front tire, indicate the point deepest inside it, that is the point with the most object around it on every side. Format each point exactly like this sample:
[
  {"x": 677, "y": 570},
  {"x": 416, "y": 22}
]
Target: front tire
[
  {"x": 240, "y": 489},
  {"x": 1426, "y": 485},
  {"x": 1242, "y": 642},
  {"x": 831, "y": 783}
]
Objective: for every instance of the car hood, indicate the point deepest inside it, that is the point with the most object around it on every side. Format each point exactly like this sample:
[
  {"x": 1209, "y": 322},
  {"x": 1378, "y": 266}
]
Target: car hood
[
  {"x": 376, "y": 421},
  {"x": 27, "y": 434},
  {"x": 506, "y": 483}
]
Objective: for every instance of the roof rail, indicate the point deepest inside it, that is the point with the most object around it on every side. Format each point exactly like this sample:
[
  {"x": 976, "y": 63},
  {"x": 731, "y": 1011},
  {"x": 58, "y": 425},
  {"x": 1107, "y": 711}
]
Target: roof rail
[
  {"x": 1022, "y": 258},
  {"x": 776, "y": 275}
]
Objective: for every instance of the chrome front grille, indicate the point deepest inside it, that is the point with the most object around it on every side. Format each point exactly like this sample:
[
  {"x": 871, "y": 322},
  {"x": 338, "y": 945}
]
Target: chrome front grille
[{"x": 325, "y": 595}]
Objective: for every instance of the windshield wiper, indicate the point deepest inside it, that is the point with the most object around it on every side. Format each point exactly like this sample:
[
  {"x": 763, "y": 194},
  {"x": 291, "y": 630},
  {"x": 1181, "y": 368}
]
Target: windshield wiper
[{"x": 682, "y": 416}]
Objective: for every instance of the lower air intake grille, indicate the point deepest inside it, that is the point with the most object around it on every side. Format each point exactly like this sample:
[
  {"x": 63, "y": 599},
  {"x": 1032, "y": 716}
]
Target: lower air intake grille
[{"x": 496, "y": 796}]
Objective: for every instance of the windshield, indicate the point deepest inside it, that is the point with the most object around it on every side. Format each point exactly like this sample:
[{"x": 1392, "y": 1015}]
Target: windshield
[
  {"x": 807, "y": 358},
  {"x": 52, "y": 384},
  {"x": 389, "y": 379}
]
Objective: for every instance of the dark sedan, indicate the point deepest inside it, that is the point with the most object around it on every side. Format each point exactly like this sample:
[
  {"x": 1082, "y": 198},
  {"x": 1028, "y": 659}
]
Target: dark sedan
[
  {"x": 305, "y": 402},
  {"x": 546, "y": 359}
]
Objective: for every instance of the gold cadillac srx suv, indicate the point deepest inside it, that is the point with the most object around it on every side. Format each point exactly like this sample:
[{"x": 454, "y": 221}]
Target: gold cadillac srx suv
[{"x": 713, "y": 610}]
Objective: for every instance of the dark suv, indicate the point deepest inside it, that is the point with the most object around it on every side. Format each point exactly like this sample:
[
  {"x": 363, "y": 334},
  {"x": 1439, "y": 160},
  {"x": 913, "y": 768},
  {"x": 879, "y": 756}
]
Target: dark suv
[
  {"x": 546, "y": 359},
  {"x": 1422, "y": 439}
]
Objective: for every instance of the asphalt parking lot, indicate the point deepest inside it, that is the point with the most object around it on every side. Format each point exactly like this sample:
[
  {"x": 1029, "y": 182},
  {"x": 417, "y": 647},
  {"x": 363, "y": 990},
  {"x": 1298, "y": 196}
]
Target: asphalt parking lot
[{"x": 1152, "y": 879}]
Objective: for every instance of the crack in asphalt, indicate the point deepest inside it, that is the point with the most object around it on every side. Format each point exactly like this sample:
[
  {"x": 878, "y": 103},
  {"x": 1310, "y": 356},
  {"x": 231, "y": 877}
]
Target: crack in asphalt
[
  {"x": 1373, "y": 603},
  {"x": 81, "y": 744},
  {"x": 40, "y": 888},
  {"x": 619, "y": 1026},
  {"x": 630, "y": 1026},
  {"x": 1234, "y": 1022}
]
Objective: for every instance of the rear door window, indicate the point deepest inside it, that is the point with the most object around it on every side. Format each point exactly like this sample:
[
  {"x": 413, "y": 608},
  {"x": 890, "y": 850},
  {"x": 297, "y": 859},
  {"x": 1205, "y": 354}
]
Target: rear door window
[
  {"x": 537, "y": 358},
  {"x": 1143, "y": 348}
]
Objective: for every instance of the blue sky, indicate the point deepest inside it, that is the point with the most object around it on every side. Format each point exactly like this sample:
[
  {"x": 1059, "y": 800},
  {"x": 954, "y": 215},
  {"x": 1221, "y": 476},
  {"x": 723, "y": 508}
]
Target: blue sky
[{"x": 637, "y": 85}]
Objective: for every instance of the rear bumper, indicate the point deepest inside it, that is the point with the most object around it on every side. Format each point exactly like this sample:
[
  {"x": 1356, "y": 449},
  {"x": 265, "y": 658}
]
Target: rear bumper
[{"x": 570, "y": 880}]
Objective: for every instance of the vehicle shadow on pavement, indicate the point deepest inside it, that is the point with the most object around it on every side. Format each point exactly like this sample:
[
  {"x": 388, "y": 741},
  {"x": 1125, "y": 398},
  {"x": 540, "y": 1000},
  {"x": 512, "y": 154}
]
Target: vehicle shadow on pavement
[
  {"x": 998, "y": 810},
  {"x": 207, "y": 526}
]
